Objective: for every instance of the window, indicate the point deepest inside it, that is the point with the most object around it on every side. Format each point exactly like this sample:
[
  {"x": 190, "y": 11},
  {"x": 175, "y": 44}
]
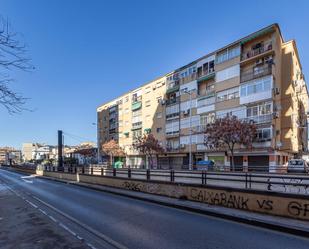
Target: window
[
  {"x": 228, "y": 54},
  {"x": 206, "y": 101},
  {"x": 159, "y": 115},
  {"x": 207, "y": 119},
  {"x": 172, "y": 109},
  {"x": 260, "y": 113},
  {"x": 239, "y": 112},
  {"x": 172, "y": 127},
  {"x": 263, "y": 134},
  {"x": 184, "y": 106},
  {"x": 191, "y": 86},
  {"x": 232, "y": 93},
  {"x": 228, "y": 73},
  {"x": 159, "y": 129},
  {"x": 137, "y": 113},
  {"x": 185, "y": 122},
  {"x": 148, "y": 89},
  {"x": 137, "y": 134},
  {"x": 256, "y": 86},
  {"x": 127, "y": 99},
  {"x": 148, "y": 103}
]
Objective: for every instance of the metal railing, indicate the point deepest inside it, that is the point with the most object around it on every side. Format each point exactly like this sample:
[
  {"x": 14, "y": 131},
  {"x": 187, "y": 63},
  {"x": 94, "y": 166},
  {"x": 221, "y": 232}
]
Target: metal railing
[
  {"x": 254, "y": 73},
  {"x": 276, "y": 181},
  {"x": 253, "y": 52}
]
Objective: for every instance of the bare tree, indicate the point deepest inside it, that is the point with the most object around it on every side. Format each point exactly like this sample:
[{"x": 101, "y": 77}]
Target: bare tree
[
  {"x": 12, "y": 57},
  {"x": 149, "y": 146},
  {"x": 227, "y": 132}
]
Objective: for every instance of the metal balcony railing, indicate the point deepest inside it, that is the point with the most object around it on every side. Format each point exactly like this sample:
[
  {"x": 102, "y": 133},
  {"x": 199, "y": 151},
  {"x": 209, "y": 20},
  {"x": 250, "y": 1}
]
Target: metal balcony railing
[
  {"x": 254, "y": 52},
  {"x": 260, "y": 119},
  {"x": 172, "y": 101},
  {"x": 255, "y": 72}
]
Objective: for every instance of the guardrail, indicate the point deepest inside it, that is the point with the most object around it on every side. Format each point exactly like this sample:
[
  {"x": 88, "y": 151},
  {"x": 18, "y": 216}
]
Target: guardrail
[{"x": 277, "y": 182}]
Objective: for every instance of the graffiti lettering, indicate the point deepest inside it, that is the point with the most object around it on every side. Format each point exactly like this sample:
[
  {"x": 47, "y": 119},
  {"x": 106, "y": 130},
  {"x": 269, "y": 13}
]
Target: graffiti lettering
[
  {"x": 223, "y": 199},
  {"x": 265, "y": 204},
  {"x": 132, "y": 186},
  {"x": 298, "y": 209}
]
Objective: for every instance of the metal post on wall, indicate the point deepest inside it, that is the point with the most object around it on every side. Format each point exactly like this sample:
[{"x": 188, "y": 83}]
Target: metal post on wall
[{"x": 60, "y": 150}]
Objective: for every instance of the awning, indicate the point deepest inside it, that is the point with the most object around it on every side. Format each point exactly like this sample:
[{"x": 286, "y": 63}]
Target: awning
[
  {"x": 148, "y": 130},
  {"x": 136, "y": 105}
]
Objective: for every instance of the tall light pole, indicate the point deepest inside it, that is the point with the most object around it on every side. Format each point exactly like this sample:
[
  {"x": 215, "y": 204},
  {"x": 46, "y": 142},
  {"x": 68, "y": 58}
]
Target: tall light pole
[{"x": 190, "y": 129}]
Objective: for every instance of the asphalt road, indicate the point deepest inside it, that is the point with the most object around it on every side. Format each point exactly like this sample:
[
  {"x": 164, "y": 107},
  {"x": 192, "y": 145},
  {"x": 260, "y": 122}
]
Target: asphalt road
[{"x": 129, "y": 223}]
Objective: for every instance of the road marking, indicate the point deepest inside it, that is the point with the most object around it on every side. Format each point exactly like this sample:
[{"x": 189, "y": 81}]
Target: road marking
[
  {"x": 52, "y": 218},
  {"x": 32, "y": 204},
  {"x": 86, "y": 227}
]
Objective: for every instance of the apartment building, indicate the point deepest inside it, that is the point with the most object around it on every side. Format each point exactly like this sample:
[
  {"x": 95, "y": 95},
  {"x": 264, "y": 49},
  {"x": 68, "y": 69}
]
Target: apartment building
[{"x": 258, "y": 78}]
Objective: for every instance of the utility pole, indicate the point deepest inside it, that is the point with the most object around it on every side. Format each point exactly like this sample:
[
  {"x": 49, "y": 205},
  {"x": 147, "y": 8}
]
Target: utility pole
[{"x": 60, "y": 149}]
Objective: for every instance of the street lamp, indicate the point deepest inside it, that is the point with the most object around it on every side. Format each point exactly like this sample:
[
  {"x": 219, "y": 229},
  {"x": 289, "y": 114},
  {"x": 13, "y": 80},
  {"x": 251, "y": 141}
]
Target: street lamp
[
  {"x": 190, "y": 129},
  {"x": 98, "y": 144}
]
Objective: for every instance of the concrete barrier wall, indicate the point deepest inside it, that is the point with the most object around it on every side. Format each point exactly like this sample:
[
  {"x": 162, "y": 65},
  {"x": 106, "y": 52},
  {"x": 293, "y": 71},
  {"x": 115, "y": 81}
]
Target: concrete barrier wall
[
  {"x": 286, "y": 205},
  {"x": 60, "y": 175}
]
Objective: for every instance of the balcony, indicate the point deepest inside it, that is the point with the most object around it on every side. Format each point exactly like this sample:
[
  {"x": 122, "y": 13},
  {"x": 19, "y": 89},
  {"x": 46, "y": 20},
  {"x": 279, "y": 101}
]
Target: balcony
[
  {"x": 206, "y": 75},
  {"x": 209, "y": 90},
  {"x": 260, "y": 119},
  {"x": 172, "y": 101},
  {"x": 170, "y": 134},
  {"x": 173, "y": 86},
  {"x": 257, "y": 51},
  {"x": 187, "y": 79},
  {"x": 136, "y": 126},
  {"x": 256, "y": 72},
  {"x": 172, "y": 116}
]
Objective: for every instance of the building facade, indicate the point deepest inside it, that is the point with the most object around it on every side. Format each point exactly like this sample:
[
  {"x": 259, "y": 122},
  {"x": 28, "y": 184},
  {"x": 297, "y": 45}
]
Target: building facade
[{"x": 258, "y": 78}]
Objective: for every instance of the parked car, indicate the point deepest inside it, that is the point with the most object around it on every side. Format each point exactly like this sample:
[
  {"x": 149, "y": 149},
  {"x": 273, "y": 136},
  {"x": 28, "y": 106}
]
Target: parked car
[
  {"x": 205, "y": 165},
  {"x": 298, "y": 166}
]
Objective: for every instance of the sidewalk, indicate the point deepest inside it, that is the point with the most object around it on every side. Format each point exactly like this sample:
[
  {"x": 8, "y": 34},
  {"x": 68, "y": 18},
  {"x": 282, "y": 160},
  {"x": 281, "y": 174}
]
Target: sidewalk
[
  {"x": 277, "y": 223},
  {"x": 23, "y": 227}
]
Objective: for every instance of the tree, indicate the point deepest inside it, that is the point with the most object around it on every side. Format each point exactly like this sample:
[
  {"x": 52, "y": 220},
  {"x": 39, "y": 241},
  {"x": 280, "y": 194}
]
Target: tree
[
  {"x": 149, "y": 146},
  {"x": 112, "y": 149},
  {"x": 227, "y": 132},
  {"x": 12, "y": 56}
]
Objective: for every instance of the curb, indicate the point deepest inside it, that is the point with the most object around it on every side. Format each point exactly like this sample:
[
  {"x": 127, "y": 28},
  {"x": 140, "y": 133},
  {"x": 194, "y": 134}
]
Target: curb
[{"x": 253, "y": 222}]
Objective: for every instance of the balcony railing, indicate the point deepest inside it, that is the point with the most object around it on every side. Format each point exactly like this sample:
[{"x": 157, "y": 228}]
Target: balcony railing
[
  {"x": 173, "y": 86},
  {"x": 209, "y": 90},
  {"x": 172, "y": 101},
  {"x": 260, "y": 119},
  {"x": 172, "y": 133},
  {"x": 172, "y": 116},
  {"x": 254, "y": 52},
  {"x": 172, "y": 149},
  {"x": 256, "y": 72},
  {"x": 189, "y": 78},
  {"x": 205, "y": 75}
]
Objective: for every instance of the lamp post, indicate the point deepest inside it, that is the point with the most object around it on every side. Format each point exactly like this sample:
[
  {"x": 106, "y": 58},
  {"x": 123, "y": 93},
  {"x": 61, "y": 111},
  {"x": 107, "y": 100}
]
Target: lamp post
[{"x": 190, "y": 129}]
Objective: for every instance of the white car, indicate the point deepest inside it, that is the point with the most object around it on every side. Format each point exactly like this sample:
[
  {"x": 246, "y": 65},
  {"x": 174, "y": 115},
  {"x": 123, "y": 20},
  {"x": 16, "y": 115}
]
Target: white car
[{"x": 298, "y": 166}]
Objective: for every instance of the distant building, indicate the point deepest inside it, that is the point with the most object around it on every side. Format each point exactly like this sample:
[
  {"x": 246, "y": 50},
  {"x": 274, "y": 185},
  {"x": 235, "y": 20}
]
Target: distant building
[{"x": 10, "y": 155}]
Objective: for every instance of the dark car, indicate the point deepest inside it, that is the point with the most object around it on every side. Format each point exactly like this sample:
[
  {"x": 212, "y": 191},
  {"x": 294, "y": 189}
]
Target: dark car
[{"x": 205, "y": 165}]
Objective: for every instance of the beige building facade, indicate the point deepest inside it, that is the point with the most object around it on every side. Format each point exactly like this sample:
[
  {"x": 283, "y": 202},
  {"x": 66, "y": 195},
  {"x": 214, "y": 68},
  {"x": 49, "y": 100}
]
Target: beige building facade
[{"x": 257, "y": 78}]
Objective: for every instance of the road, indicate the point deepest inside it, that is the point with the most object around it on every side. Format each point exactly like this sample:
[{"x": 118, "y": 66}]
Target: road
[{"x": 111, "y": 221}]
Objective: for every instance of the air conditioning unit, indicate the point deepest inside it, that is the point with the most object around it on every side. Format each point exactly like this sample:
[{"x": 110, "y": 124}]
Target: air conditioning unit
[
  {"x": 276, "y": 91},
  {"x": 259, "y": 62},
  {"x": 276, "y": 115},
  {"x": 182, "y": 146},
  {"x": 268, "y": 59},
  {"x": 186, "y": 112}
]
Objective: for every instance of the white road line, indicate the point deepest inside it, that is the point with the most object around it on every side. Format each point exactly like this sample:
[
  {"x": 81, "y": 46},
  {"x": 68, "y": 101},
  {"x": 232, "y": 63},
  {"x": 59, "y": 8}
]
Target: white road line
[
  {"x": 52, "y": 218},
  {"x": 86, "y": 227},
  {"x": 33, "y": 205},
  {"x": 42, "y": 211},
  {"x": 67, "y": 229}
]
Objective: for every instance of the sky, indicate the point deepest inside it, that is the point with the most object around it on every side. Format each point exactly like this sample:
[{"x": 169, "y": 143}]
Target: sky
[{"x": 87, "y": 52}]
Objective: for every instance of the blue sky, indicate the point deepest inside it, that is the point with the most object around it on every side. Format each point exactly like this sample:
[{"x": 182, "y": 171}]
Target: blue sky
[{"x": 89, "y": 52}]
